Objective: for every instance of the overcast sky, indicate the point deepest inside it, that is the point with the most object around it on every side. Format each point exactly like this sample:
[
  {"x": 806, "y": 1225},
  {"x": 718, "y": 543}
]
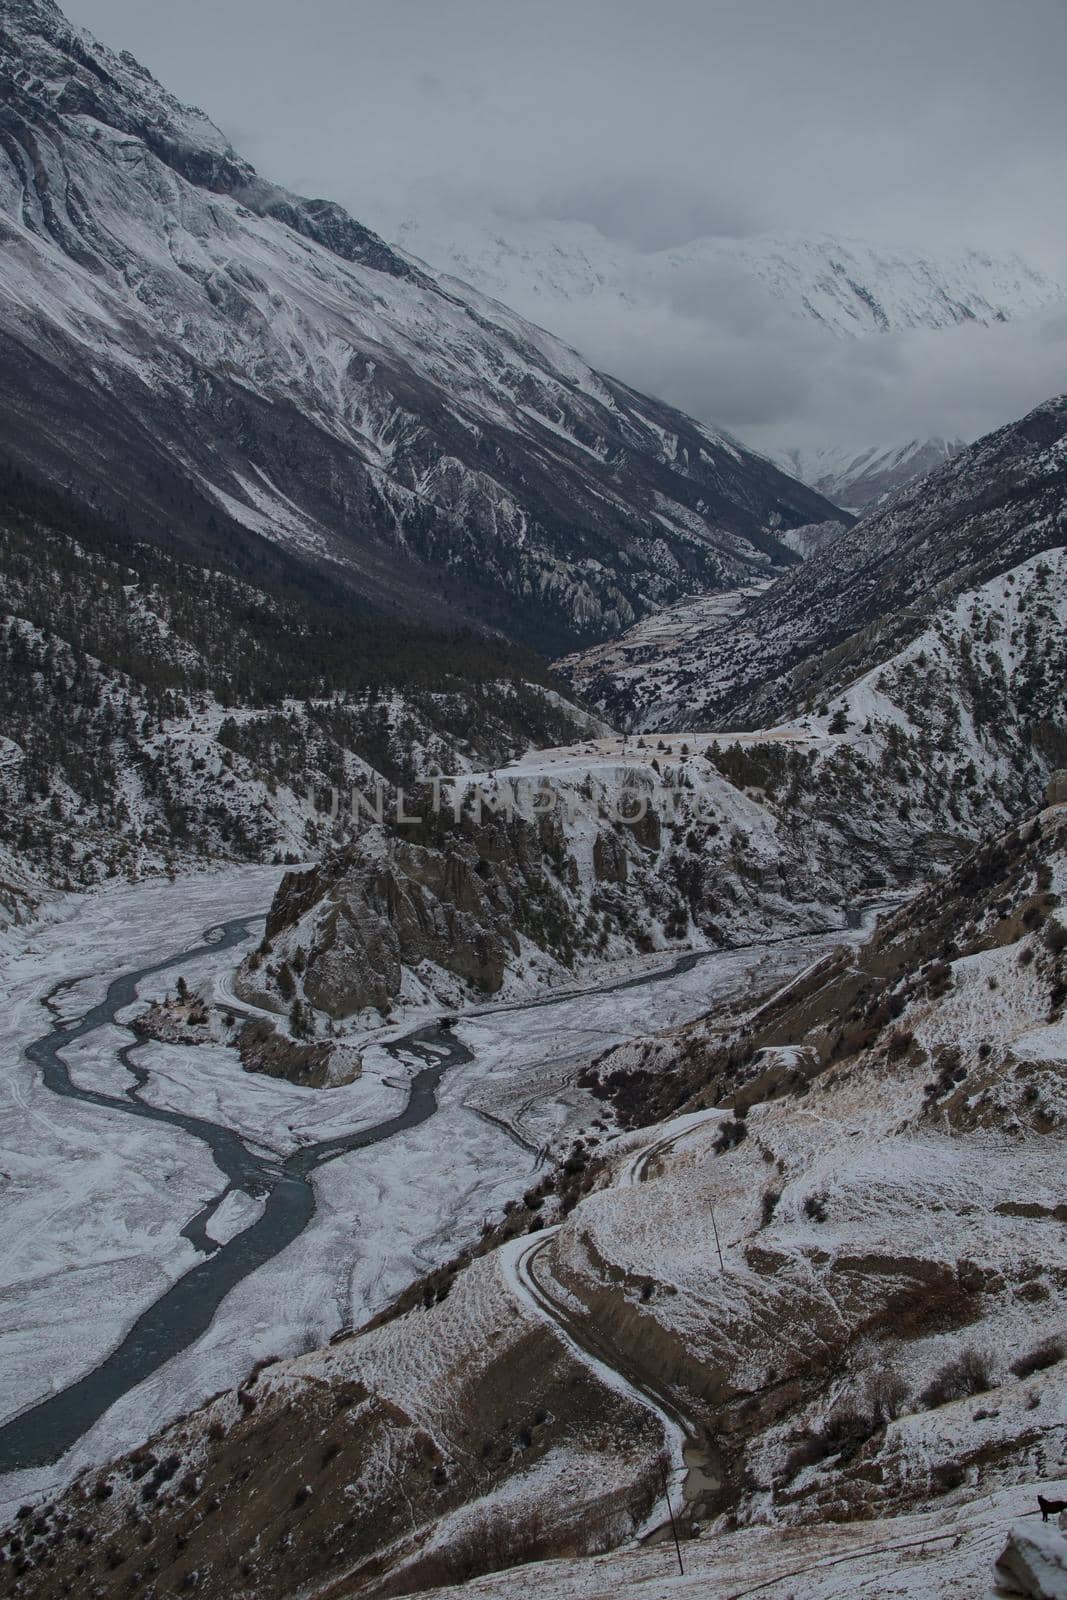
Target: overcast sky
[{"x": 935, "y": 123}]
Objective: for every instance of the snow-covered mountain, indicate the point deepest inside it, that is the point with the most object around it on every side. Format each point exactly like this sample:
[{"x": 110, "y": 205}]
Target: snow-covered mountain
[
  {"x": 847, "y": 286},
  {"x": 791, "y": 645},
  {"x": 727, "y": 295},
  {"x": 860, "y": 480},
  {"x": 255, "y": 376}
]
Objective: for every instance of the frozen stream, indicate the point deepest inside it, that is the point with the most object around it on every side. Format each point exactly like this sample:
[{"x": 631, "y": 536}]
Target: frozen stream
[
  {"x": 513, "y": 1057},
  {"x": 46, "y": 1431}
]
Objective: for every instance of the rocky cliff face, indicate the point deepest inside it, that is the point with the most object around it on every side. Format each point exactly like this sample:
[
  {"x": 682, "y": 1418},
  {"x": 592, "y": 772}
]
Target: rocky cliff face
[
  {"x": 242, "y": 371},
  {"x": 388, "y": 905}
]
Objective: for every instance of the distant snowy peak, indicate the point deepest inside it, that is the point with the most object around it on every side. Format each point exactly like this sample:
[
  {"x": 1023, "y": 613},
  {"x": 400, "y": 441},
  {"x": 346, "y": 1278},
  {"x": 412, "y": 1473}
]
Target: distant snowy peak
[
  {"x": 859, "y": 481},
  {"x": 848, "y": 286},
  {"x": 855, "y": 288}
]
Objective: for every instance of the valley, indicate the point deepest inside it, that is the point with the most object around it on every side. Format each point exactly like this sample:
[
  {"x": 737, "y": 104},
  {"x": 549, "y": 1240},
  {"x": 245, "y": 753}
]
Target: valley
[
  {"x": 836, "y": 1123},
  {"x": 500, "y": 1093},
  {"x": 533, "y": 935}
]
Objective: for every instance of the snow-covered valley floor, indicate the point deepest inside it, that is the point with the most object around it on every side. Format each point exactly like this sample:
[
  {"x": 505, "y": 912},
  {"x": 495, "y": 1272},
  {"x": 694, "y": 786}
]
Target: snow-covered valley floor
[{"x": 93, "y": 1201}]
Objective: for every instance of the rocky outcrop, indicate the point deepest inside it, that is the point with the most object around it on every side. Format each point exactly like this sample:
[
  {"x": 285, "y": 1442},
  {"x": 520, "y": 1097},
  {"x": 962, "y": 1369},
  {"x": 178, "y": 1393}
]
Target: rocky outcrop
[
  {"x": 459, "y": 902},
  {"x": 313, "y": 1066},
  {"x": 1033, "y": 1563},
  {"x": 418, "y": 907}
]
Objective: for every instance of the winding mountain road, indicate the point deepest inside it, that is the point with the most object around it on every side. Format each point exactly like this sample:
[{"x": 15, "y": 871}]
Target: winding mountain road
[{"x": 528, "y": 1273}]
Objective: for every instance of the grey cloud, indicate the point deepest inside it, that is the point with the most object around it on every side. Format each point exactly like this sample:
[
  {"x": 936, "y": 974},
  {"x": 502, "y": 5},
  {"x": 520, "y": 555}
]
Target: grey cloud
[
  {"x": 779, "y": 382},
  {"x": 924, "y": 123},
  {"x": 653, "y": 212},
  {"x": 934, "y": 125}
]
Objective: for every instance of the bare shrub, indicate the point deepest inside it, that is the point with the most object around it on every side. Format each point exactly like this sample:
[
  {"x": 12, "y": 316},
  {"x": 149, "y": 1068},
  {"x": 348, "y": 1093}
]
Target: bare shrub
[
  {"x": 847, "y": 1428},
  {"x": 887, "y": 1395},
  {"x": 1046, "y": 1354},
  {"x": 965, "y": 1375},
  {"x": 845, "y": 1432},
  {"x": 807, "y": 1453},
  {"x": 486, "y": 1543},
  {"x": 731, "y": 1135}
]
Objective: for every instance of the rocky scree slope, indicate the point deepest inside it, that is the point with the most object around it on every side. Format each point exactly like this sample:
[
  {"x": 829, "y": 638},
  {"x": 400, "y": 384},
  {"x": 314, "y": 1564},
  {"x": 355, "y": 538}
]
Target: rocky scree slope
[
  {"x": 857, "y": 601},
  {"x": 234, "y": 367},
  {"x": 886, "y": 1341}
]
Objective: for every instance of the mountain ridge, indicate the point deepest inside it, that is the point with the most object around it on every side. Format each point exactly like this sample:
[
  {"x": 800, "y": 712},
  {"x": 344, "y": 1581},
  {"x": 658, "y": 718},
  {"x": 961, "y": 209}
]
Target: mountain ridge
[{"x": 860, "y": 481}]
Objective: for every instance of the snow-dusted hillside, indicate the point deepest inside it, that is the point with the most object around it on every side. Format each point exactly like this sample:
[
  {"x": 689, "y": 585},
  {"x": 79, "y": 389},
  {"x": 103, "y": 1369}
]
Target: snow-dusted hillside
[
  {"x": 156, "y": 714},
  {"x": 254, "y": 375},
  {"x": 860, "y": 481},
  {"x": 848, "y": 286},
  {"x": 614, "y": 846},
  {"x": 856, "y": 602},
  {"x": 823, "y": 1292}
]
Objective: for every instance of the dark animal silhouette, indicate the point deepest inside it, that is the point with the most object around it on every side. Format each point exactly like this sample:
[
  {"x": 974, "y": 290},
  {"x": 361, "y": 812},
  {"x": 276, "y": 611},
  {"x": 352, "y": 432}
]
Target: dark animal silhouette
[{"x": 1049, "y": 1508}]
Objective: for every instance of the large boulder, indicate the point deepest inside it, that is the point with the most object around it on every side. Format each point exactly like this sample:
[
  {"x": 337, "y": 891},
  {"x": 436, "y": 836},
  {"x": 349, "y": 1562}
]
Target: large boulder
[{"x": 1033, "y": 1562}]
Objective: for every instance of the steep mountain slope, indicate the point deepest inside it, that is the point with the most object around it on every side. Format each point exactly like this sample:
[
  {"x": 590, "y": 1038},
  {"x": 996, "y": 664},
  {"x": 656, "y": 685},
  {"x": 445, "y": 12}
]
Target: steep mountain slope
[
  {"x": 859, "y": 600},
  {"x": 920, "y": 1079},
  {"x": 238, "y": 370},
  {"x": 847, "y": 286},
  {"x": 877, "y": 1144},
  {"x": 861, "y": 481},
  {"x": 156, "y": 712}
]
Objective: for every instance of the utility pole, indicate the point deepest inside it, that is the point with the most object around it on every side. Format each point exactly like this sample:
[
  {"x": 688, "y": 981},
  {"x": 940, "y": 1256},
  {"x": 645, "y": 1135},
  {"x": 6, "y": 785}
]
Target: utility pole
[
  {"x": 718, "y": 1246},
  {"x": 674, "y": 1525}
]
